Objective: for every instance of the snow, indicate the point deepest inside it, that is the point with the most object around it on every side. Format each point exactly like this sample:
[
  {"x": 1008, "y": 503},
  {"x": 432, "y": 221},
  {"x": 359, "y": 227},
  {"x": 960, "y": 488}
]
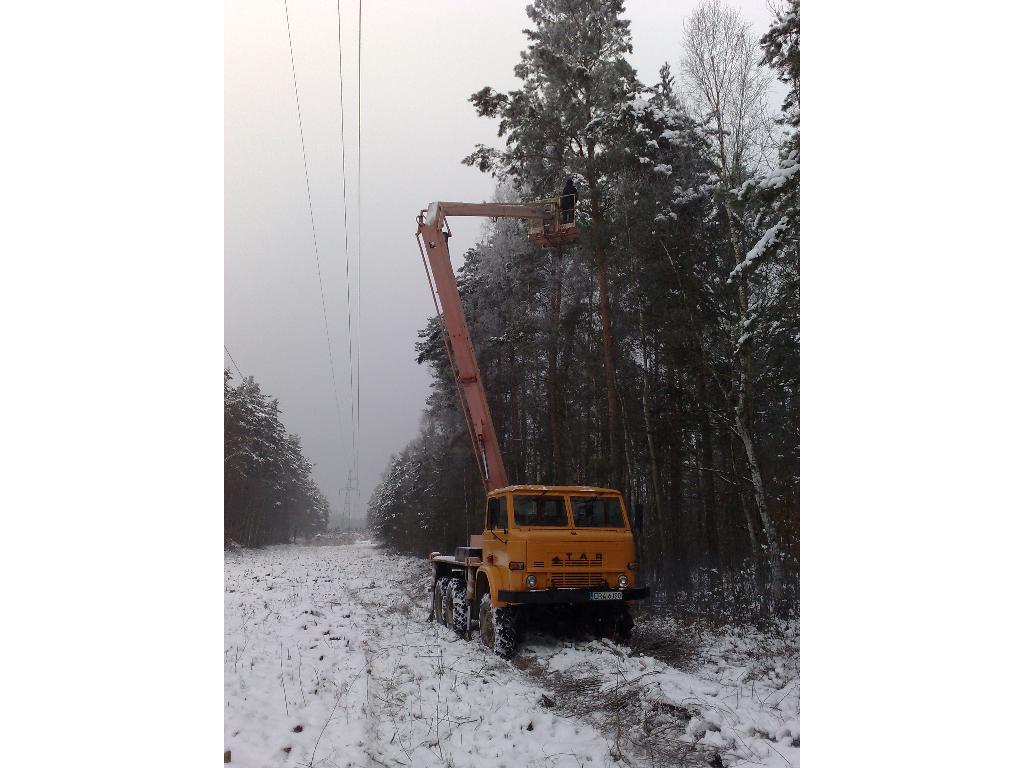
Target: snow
[
  {"x": 639, "y": 104},
  {"x": 431, "y": 215},
  {"x": 329, "y": 660},
  {"x": 767, "y": 240},
  {"x": 663, "y": 168},
  {"x": 787, "y": 169}
]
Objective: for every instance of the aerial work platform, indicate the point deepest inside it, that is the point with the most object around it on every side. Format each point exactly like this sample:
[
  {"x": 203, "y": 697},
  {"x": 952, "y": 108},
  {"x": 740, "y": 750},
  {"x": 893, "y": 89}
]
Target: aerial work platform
[{"x": 557, "y": 228}]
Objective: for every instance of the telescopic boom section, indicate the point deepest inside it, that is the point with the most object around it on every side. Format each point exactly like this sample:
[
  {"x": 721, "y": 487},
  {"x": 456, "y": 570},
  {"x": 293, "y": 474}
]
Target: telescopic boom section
[{"x": 466, "y": 371}]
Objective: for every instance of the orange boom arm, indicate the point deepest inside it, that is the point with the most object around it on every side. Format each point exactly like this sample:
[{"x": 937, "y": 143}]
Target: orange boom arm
[{"x": 434, "y": 246}]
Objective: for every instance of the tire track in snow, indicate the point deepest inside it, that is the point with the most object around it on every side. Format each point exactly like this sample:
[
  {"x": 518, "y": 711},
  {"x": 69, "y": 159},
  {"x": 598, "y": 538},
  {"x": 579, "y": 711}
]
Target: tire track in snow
[{"x": 436, "y": 699}]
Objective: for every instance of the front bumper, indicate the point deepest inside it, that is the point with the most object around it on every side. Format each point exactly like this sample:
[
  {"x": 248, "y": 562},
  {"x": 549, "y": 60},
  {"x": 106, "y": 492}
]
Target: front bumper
[{"x": 556, "y": 596}]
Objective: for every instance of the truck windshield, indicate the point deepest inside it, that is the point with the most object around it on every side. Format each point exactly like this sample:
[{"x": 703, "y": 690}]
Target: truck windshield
[
  {"x": 541, "y": 510},
  {"x": 596, "y": 512}
]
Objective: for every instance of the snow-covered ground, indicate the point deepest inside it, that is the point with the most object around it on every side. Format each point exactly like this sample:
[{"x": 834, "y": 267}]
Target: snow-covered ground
[{"x": 329, "y": 660}]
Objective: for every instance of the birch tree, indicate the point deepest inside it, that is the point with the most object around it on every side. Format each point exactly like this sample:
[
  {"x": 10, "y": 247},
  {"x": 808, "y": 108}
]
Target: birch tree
[{"x": 726, "y": 88}]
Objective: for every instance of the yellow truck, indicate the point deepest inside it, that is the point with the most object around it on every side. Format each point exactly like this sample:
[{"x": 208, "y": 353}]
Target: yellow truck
[{"x": 565, "y": 551}]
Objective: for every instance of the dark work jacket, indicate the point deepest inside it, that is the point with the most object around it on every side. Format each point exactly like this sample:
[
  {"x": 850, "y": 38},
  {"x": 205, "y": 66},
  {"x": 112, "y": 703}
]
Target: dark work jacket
[{"x": 568, "y": 197}]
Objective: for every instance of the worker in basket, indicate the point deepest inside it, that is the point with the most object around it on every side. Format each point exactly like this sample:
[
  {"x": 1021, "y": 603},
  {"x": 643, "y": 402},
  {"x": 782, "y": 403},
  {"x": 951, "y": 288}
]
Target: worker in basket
[{"x": 568, "y": 202}]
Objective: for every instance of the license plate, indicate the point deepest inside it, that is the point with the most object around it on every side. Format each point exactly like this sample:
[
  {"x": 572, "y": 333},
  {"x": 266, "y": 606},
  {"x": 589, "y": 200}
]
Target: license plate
[{"x": 605, "y": 595}]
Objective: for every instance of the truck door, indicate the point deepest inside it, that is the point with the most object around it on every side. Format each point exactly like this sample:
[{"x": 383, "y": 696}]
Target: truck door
[
  {"x": 496, "y": 527},
  {"x": 497, "y": 518}
]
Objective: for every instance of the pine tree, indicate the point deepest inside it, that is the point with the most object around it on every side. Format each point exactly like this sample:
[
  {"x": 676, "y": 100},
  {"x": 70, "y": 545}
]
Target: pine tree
[
  {"x": 775, "y": 196},
  {"x": 269, "y": 493},
  {"x": 576, "y": 83}
]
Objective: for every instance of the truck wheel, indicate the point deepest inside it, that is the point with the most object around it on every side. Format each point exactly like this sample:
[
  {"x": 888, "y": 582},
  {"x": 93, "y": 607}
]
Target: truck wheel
[
  {"x": 603, "y": 623},
  {"x": 439, "y": 590},
  {"x": 498, "y": 628},
  {"x": 457, "y": 613},
  {"x": 623, "y": 629}
]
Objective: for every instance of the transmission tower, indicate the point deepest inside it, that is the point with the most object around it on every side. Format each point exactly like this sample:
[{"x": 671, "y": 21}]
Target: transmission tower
[{"x": 346, "y": 509}]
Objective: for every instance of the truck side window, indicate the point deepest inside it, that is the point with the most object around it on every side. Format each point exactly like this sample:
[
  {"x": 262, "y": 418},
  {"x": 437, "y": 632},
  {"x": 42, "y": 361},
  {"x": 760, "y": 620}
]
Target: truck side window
[{"x": 497, "y": 513}]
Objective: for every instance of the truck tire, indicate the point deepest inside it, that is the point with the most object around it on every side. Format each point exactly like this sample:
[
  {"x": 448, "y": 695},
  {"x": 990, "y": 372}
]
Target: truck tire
[
  {"x": 603, "y": 624},
  {"x": 623, "y": 627},
  {"x": 439, "y": 591},
  {"x": 499, "y": 629},
  {"x": 457, "y": 613}
]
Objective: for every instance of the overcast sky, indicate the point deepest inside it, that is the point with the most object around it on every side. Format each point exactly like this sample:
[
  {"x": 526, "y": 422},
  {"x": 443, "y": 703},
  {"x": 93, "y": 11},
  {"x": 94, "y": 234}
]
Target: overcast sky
[{"x": 421, "y": 61}]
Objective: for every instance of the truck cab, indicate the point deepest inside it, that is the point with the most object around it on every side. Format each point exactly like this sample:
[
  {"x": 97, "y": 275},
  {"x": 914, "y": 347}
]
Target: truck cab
[
  {"x": 547, "y": 544},
  {"x": 565, "y": 552}
]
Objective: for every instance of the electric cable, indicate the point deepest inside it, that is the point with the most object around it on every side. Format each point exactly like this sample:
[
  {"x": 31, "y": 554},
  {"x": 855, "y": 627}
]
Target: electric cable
[
  {"x": 359, "y": 244},
  {"x": 312, "y": 223},
  {"x": 232, "y": 359},
  {"x": 348, "y": 281}
]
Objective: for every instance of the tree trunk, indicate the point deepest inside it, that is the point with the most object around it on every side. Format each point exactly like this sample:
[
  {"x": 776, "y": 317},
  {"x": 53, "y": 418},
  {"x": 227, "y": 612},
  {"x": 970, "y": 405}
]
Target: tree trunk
[
  {"x": 628, "y": 455},
  {"x": 515, "y": 450},
  {"x": 651, "y": 453},
  {"x": 604, "y": 307},
  {"x": 774, "y": 561},
  {"x": 553, "y": 324},
  {"x": 744, "y": 419},
  {"x": 609, "y": 368},
  {"x": 706, "y": 481},
  {"x": 727, "y": 450},
  {"x": 744, "y": 405},
  {"x": 655, "y": 480}
]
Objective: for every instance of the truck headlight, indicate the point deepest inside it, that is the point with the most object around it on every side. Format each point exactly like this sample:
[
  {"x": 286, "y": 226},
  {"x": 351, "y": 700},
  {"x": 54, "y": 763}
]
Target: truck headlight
[
  {"x": 531, "y": 581},
  {"x": 623, "y": 581}
]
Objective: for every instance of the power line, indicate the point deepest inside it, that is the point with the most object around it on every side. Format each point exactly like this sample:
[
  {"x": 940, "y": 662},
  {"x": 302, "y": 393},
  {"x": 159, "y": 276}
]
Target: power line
[
  {"x": 312, "y": 221},
  {"x": 232, "y": 359},
  {"x": 348, "y": 282},
  {"x": 359, "y": 243}
]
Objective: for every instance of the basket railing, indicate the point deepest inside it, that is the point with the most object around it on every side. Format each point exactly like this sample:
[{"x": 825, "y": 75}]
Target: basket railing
[{"x": 559, "y": 226}]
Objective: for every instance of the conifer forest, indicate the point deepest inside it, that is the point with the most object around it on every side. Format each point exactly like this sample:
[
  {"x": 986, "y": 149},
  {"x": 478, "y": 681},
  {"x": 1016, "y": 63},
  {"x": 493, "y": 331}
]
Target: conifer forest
[
  {"x": 269, "y": 496},
  {"x": 660, "y": 353}
]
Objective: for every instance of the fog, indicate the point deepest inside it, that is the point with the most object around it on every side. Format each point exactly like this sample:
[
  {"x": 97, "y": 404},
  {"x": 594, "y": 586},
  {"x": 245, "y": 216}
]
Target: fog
[{"x": 421, "y": 61}]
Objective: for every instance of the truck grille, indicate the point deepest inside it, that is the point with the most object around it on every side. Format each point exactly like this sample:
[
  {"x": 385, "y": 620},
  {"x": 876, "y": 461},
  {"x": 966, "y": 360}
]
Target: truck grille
[
  {"x": 577, "y": 580},
  {"x": 574, "y": 564}
]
